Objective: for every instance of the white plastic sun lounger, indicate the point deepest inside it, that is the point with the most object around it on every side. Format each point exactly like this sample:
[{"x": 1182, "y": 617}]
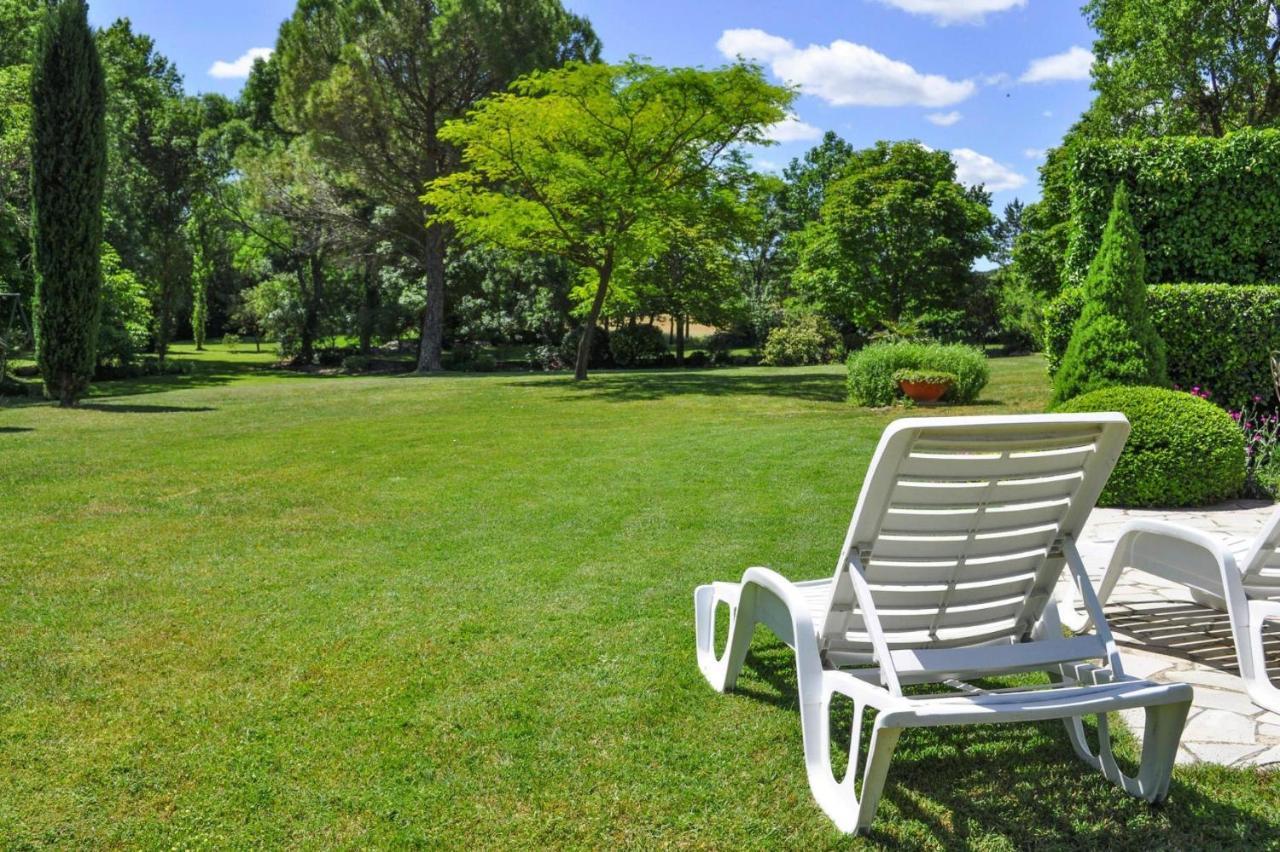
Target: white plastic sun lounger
[
  {"x": 1250, "y": 597},
  {"x": 947, "y": 572}
]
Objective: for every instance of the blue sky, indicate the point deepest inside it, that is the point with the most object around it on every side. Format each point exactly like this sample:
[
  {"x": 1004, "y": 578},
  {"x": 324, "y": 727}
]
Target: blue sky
[{"x": 994, "y": 81}]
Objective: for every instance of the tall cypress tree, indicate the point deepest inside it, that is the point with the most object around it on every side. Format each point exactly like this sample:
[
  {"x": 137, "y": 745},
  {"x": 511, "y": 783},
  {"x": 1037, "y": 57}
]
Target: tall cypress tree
[{"x": 68, "y": 168}]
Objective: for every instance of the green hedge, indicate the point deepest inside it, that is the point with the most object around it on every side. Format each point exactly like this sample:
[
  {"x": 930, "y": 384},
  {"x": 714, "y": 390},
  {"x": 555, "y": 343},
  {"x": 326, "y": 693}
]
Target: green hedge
[
  {"x": 1183, "y": 450},
  {"x": 1217, "y": 336},
  {"x": 871, "y": 370},
  {"x": 1206, "y": 208}
]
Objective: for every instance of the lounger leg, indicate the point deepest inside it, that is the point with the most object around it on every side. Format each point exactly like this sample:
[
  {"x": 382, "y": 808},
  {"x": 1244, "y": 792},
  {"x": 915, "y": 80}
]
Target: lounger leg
[
  {"x": 1253, "y": 656},
  {"x": 850, "y": 809},
  {"x": 1159, "y": 750},
  {"x": 722, "y": 671}
]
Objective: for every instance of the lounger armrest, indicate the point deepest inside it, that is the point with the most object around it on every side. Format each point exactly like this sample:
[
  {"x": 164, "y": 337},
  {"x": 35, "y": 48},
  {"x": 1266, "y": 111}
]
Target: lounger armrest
[{"x": 1176, "y": 553}]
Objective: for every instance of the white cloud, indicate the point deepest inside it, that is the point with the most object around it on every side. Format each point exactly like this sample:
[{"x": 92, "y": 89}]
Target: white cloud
[
  {"x": 1073, "y": 64},
  {"x": 753, "y": 44},
  {"x": 999, "y": 79},
  {"x": 944, "y": 119},
  {"x": 1047, "y": 113},
  {"x": 240, "y": 68},
  {"x": 1033, "y": 153},
  {"x": 792, "y": 129},
  {"x": 973, "y": 168},
  {"x": 955, "y": 11},
  {"x": 845, "y": 74},
  {"x": 768, "y": 166}
]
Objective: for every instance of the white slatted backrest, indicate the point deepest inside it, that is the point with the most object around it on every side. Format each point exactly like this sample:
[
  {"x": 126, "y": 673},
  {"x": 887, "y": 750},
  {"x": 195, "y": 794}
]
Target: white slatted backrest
[
  {"x": 1262, "y": 566},
  {"x": 959, "y": 525}
]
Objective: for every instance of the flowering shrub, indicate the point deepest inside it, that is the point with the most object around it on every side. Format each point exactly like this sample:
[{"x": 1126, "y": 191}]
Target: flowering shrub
[{"x": 1261, "y": 428}]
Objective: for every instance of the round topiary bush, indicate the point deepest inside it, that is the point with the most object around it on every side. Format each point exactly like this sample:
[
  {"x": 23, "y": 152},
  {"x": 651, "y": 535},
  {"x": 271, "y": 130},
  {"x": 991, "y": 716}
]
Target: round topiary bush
[{"x": 1183, "y": 450}]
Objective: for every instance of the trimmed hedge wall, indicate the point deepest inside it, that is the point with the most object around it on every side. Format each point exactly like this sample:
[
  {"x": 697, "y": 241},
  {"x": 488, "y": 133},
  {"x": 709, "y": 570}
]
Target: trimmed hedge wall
[
  {"x": 1206, "y": 208},
  {"x": 1217, "y": 336}
]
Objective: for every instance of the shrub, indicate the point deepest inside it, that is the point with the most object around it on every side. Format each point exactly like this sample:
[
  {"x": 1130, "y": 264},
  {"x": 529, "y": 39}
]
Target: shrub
[
  {"x": 1217, "y": 336},
  {"x": 231, "y": 341},
  {"x": 928, "y": 377},
  {"x": 697, "y": 358},
  {"x": 1020, "y": 316},
  {"x": 545, "y": 358},
  {"x": 600, "y": 355},
  {"x": 124, "y": 329},
  {"x": 1206, "y": 207},
  {"x": 355, "y": 363},
  {"x": 1114, "y": 341},
  {"x": 800, "y": 340},
  {"x": 1261, "y": 429},
  {"x": 1183, "y": 450},
  {"x": 871, "y": 370},
  {"x": 633, "y": 346}
]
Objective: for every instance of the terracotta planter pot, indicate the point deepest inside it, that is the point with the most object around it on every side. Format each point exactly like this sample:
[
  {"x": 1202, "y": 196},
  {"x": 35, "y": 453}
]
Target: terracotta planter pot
[{"x": 924, "y": 391}]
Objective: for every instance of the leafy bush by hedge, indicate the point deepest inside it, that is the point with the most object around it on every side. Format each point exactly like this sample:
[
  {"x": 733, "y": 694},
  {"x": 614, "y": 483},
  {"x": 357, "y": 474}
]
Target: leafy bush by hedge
[
  {"x": 632, "y": 346},
  {"x": 1114, "y": 341},
  {"x": 1183, "y": 450},
  {"x": 1217, "y": 336},
  {"x": 803, "y": 339},
  {"x": 871, "y": 370},
  {"x": 1206, "y": 208}
]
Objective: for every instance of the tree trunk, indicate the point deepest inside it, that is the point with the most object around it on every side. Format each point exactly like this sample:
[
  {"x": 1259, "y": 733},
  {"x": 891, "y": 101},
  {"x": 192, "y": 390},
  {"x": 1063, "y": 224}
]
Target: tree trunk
[
  {"x": 588, "y": 330},
  {"x": 368, "y": 305},
  {"x": 311, "y": 307},
  {"x": 681, "y": 328},
  {"x": 433, "y": 316}
]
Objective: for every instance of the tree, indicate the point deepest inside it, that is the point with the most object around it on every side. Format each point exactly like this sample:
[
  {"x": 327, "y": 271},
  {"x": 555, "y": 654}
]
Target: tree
[
  {"x": 593, "y": 162},
  {"x": 1201, "y": 67},
  {"x": 155, "y": 169},
  {"x": 1114, "y": 341},
  {"x": 897, "y": 236},
  {"x": 807, "y": 179},
  {"x": 19, "y": 21},
  {"x": 1005, "y": 232},
  {"x": 68, "y": 168},
  {"x": 373, "y": 83}
]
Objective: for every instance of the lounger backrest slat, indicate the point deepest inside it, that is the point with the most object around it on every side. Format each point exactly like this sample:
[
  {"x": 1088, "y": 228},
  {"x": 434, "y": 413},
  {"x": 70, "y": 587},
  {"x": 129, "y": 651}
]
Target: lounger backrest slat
[{"x": 959, "y": 526}]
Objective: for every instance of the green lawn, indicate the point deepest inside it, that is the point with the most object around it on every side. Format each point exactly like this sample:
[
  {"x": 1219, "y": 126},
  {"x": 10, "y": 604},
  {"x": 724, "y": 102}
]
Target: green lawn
[{"x": 243, "y": 608}]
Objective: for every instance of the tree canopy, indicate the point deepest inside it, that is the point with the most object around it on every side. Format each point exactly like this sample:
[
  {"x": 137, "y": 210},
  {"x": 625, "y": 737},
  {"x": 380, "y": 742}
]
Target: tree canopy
[
  {"x": 592, "y": 162},
  {"x": 897, "y": 234}
]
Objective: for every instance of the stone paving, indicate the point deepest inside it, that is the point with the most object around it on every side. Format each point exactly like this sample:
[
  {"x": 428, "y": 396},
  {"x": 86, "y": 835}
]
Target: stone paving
[{"x": 1166, "y": 636}]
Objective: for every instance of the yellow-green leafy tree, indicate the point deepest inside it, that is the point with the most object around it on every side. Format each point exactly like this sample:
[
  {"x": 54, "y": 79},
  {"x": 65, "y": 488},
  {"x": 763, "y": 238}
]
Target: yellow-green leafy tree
[{"x": 594, "y": 162}]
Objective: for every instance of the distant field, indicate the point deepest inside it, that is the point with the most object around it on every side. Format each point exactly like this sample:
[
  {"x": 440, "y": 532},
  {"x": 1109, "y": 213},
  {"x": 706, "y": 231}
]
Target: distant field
[{"x": 248, "y": 608}]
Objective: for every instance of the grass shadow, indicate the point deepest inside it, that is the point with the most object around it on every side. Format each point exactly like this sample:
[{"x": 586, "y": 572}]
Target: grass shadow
[
  {"x": 661, "y": 384},
  {"x": 957, "y": 784},
  {"x": 143, "y": 409},
  {"x": 13, "y": 430}
]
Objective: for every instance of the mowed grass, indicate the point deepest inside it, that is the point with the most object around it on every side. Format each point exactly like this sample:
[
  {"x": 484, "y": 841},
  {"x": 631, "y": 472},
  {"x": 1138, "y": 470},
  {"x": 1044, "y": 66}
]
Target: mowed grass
[{"x": 246, "y": 609}]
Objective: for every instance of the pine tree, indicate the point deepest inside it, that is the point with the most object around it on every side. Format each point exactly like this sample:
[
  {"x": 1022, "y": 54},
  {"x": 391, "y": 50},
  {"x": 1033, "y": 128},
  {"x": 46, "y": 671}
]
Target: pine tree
[
  {"x": 1114, "y": 341},
  {"x": 68, "y": 167}
]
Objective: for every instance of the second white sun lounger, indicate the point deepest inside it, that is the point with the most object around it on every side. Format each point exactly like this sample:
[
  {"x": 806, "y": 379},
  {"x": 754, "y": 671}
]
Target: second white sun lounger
[
  {"x": 1249, "y": 595},
  {"x": 947, "y": 573}
]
